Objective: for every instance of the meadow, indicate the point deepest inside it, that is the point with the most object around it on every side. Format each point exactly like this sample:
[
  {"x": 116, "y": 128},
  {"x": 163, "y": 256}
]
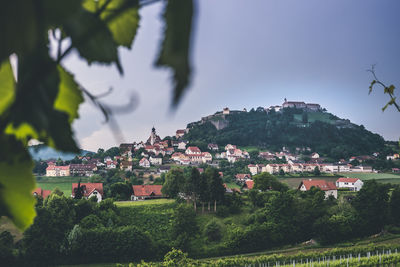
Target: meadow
[{"x": 62, "y": 183}]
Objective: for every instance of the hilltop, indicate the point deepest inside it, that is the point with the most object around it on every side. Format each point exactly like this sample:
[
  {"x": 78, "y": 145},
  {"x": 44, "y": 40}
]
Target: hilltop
[{"x": 290, "y": 125}]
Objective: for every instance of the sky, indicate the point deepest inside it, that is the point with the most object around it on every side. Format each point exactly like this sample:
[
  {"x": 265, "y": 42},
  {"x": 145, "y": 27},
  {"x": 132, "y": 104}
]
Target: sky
[{"x": 248, "y": 54}]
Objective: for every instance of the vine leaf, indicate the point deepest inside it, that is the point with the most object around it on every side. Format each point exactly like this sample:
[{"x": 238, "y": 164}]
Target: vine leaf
[
  {"x": 7, "y": 85},
  {"x": 91, "y": 36},
  {"x": 175, "y": 47},
  {"x": 121, "y": 16},
  {"x": 69, "y": 95},
  {"x": 18, "y": 27},
  {"x": 16, "y": 183}
]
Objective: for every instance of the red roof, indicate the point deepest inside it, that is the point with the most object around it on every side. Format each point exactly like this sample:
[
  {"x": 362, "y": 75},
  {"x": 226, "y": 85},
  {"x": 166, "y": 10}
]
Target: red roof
[
  {"x": 40, "y": 192},
  {"x": 249, "y": 184},
  {"x": 180, "y": 131},
  {"x": 88, "y": 188},
  {"x": 347, "y": 180},
  {"x": 321, "y": 184},
  {"x": 194, "y": 149},
  {"x": 147, "y": 190},
  {"x": 242, "y": 176}
]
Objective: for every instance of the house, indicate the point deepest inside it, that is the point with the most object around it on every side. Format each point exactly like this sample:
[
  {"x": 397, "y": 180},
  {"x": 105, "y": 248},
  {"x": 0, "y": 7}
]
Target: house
[
  {"x": 225, "y": 111},
  {"x": 144, "y": 163},
  {"x": 328, "y": 187},
  {"x": 253, "y": 169},
  {"x": 242, "y": 176},
  {"x": 89, "y": 190},
  {"x": 229, "y": 146},
  {"x": 396, "y": 170},
  {"x": 248, "y": 185},
  {"x": 176, "y": 156},
  {"x": 213, "y": 147},
  {"x": 313, "y": 107},
  {"x": 354, "y": 184},
  {"x": 393, "y": 157},
  {"x": 182, "y": 145},
  {"x": 41, "y": 192},
  {"x": 169, "y": 150},
  {"x": 179, "y": 133},
  {"x": 164, "y": 169},
  {"x": 53, "y": 170},
  {"x": 111, "y": 164},
  {"x": 125, "y": 149},
  {"x": 155, "y": 160},
  {"x": 141, "y": 192},
  {"x": 294, "y": 104},
  {"x": 361, "y": 168},
  {"x": 82, "y": 169},
  {"x": 206, "y": 157},
  {"x": 315, "y": 155},
  {"x": 126, "y": 165},
  {"x": 194, "y": 150}
]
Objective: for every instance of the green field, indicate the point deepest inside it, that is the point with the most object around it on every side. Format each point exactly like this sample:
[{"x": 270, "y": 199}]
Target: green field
[
  {"x": 62, "y": 183},
  {"x": 144, "y": 203},
  {"x": 369, "y": 176},
  {"x": 315, "y": 116}
]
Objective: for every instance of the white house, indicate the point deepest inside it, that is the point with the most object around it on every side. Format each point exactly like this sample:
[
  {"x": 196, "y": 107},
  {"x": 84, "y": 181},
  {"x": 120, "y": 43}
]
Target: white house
[
  {"x": 354, "y": 184},
  {"x": 253, "y": 169},
  {"x": 89, "y": 190},
  {"x": 328, "y": 187},
  {"x": 182, "y": 145},
  {"x": 144, "y": 163},
  {"x": 155, "y": 161},
  {"x": 193, "y": 150},
  {"x": 315, "y": 155}
]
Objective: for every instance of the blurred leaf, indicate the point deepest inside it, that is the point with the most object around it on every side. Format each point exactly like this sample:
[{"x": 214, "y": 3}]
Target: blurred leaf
[
  {"x": 35, "y": 108},
  {"x": 16, "y": 183},
  {"x": 18, "y": 27},
  {"x": 389, "y": 90},
  {"x": 175, "y": 47},
  {"x": 91, "y": 36},
  {"x": 371, "y": 86},
  {"x": 121, "y": 17},
  {"x": 57, "y": 11},
  {"x": 69, "y": 95},
  {"x": 7, "y": 85}
]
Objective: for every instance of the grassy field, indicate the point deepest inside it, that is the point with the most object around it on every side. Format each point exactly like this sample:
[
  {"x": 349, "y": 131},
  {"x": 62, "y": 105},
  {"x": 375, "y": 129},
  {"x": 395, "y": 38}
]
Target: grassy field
[
  {"x": 249, "y": 148},
  {"x": 315, "y": 116},
  {"x": 62, "y": 183},
  {"x": 144, "y": 203},
  {"x": 369, "y": 176},
  {"x": 232, "y": 185}
]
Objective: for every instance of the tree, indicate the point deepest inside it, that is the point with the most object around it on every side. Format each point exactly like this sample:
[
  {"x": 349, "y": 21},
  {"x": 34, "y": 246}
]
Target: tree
[
  {"x": 78, "y": 191},
  {"x": 265, "y": 181},
  {"x": 394, "y": 206},
  {"x": 174, "y": 183},
  {"x": 192, "y": 186},
  {"x": 215, "y": 186},
  {"x": 371, "y": 204},
  {"x": 316, "y": 171},
  {"x": 121, "y": 191},
  {"x": 184, "y": 225},
  {"x": 44, "y": 101}
]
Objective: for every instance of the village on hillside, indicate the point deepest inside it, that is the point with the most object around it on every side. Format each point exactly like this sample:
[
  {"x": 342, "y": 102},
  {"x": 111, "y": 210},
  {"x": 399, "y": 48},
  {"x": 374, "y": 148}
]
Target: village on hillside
[{"x": 150, "y": 160}]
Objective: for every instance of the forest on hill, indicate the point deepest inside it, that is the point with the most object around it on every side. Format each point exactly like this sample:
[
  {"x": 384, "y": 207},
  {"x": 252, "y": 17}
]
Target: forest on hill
[{"x": 321, "y": 131}]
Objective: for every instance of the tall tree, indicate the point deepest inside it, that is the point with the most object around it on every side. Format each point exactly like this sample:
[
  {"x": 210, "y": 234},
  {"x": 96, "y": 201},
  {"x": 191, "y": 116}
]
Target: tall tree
[
  {"x": 174, "y": 183},
  {"x": 215, "y": 185}
]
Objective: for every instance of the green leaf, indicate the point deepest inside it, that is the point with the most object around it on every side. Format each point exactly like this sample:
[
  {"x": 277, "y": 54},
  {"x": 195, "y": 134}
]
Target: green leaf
[
  {"x": 69, "y": 95},
  {"x": 121, "y": 17},
  {"x": 34, "y": 114},
  {"x": 371, "y": 86},
  {"x": 389, "y": 90},
  {"x": 16, "y": 183},
  {"x": 18, "y": 27},
  {"x": 175, "y": 47},
  {"x": 57, "y": 11},
  {"x": 7, "y": 85},
  {"x": 91, "y": 36}
]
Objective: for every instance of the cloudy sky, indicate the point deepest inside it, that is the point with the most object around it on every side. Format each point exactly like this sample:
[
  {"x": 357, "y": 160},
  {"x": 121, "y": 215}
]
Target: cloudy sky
[{"x": 250, "y": 54}]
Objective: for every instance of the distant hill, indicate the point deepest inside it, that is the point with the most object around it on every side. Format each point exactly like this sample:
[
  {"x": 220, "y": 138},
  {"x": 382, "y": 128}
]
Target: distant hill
[
  {"x": 321, "y": 131},
  {"x": 44, "y": 152}
]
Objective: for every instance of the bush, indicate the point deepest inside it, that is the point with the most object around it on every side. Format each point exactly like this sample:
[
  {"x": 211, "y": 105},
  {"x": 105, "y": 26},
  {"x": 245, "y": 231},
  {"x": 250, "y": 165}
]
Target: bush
[
  {"x": 213, "y": 230},
  {"x": 222, "y": 211}
]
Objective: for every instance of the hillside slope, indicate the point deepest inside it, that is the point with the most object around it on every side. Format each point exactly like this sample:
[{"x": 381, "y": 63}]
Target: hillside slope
[{"x": 321, "y": 131}]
